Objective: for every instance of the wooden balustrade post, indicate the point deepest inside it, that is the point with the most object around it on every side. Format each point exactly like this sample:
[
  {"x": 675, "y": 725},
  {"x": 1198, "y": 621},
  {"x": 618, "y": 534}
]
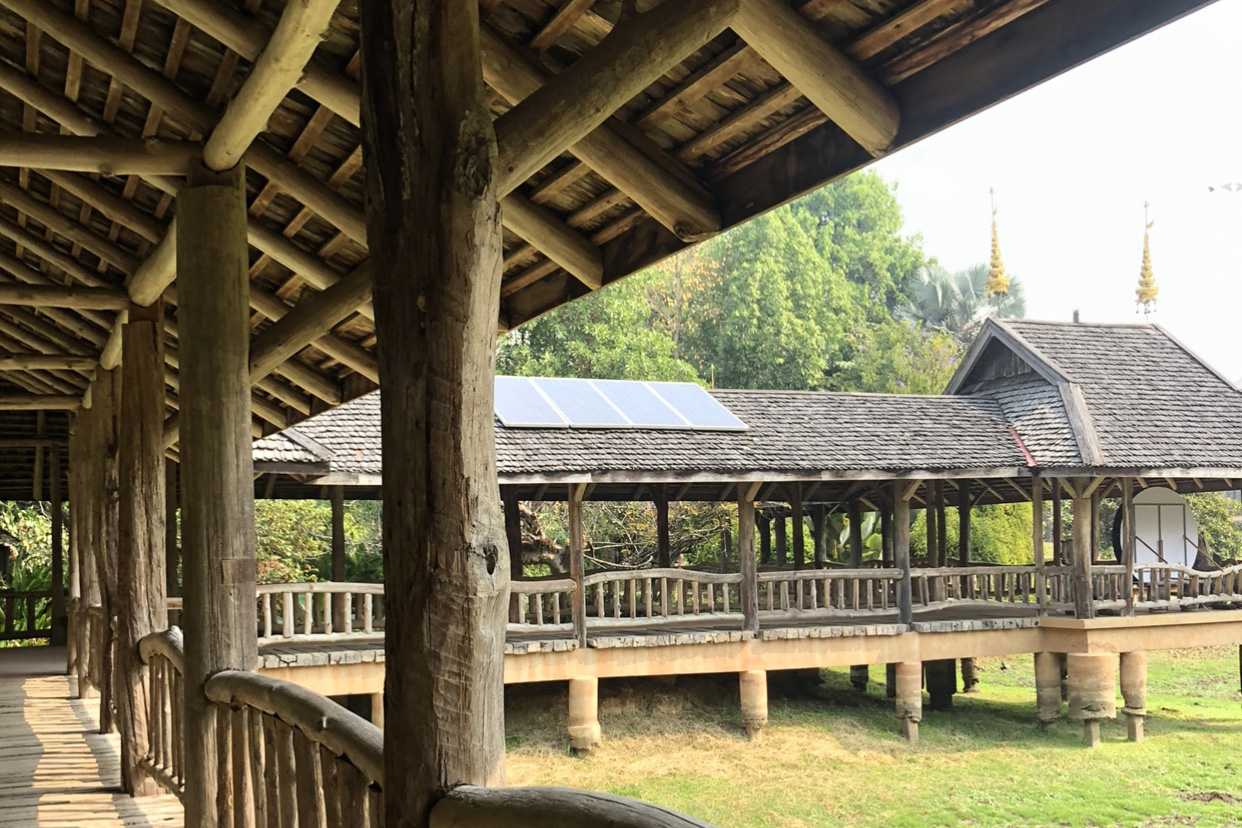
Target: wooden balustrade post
[
  {"x": 436, "y": 252},
  {"x": 337, "y": 497},
  {"x": 577, "y": 561},
  {"x": 141, "y": 605},
  {"x": 664, "y": 555},
  {"x": 856, "y": 538},
  {"x": 901, "y": 553},
  {"x": 1084, "y": 604},
  {"x": 60, "y": 622},
  {"x": 217, "y": 507},
  {"x": 749, "y": 591},
  {"x": 1129, "y": 539}
]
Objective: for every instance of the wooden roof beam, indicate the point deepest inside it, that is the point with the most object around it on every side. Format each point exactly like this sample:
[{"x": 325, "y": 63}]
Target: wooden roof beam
[
  {"x": 570, "y": 106},
  {"x": 44, "y": 249},
  {"x": 66, "y": 227},
  {"x": 47, "y": 362},
  {"x": 832, "y": 81},
  {"x": 39, "y": 402},
  {"x": 103, "y": 155},
  {"x": 50, "y": 296},
  {"x": 687, "y": 209}
]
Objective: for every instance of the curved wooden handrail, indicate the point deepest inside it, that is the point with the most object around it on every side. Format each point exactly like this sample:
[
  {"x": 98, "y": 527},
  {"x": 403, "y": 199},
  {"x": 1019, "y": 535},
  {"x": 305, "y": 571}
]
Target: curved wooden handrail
[
  {"x": 540, "y": 807},
  {"x": 320, "y": 719},
  {"x": 318, "y": 587},
  {"x": 168, "y": 643},
  {"x": 672, "y": 573},
  {"x": 835, "y": 574}
]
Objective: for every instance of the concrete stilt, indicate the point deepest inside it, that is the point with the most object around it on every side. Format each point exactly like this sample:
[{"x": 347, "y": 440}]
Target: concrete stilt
[
  {"x": 890, "y": 681},
  {"x": 908, "y": 681},
  {"x": 1134, "y": 692},
  {"x": 970, "y": 676},
  {"x": 941, "y": 682},
  {"x": 860, "y": 677},
  {"x": 377, "y": 710},
  {"x": 1092, "y": 691},
  {"x": 754, "y": 690},
  {"x": 584, "y": 732},
  {"x": 1048, "y": 687}
]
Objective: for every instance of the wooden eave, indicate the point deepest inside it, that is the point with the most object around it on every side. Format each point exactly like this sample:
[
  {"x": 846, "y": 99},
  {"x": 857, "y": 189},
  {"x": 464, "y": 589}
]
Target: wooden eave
[{"x": 103, "y": 99}]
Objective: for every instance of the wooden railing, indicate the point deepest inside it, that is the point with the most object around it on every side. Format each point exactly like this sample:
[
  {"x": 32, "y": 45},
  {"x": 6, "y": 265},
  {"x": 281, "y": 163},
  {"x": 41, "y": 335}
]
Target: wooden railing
[
  {"x": 1111, "y": 586},
  {"x": 320, "y": 611},
  {"x": 1172, "y": 585},
  {"x": 20, "y": 614},
  {"x": 541, "y": 605},
  {"x": 95, "y": 638},
  {"x": 844, "y": 593},
  {"x": 164, "y": 655},
  {"x": 288, "y": 757}
]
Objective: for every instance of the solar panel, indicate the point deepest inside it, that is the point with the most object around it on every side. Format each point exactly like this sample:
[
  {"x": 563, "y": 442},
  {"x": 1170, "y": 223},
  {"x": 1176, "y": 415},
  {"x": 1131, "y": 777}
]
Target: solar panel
[
  {"x": 699, "y": 407},
  {"x": 519, "y": 403},
  {"x": 554, "y": 402},
  {"x": 581, "y": 403},
  {"x": 641, "y": 406}
]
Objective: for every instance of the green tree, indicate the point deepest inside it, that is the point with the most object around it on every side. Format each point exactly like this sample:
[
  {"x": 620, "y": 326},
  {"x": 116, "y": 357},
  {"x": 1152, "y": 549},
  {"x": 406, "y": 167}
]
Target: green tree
[
  {"x": 1219, "y": 518},
  {"x": 958, "y": 301}
]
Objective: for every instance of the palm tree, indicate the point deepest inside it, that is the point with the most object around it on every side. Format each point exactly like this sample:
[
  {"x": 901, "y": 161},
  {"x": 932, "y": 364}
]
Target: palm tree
[{"x": 957, "y": 302}]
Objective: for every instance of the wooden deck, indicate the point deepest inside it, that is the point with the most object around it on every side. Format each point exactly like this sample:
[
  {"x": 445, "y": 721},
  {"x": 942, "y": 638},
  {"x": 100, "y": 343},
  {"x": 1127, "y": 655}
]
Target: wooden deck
[{"x": 56, "y": 769}]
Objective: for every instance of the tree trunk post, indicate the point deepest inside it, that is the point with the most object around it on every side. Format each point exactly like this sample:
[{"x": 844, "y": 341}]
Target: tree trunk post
[
  {"x": 782, "y": 539},
  {"x": 577, "y": 561},
  {"x": 1048, "y": 687},
  {"x": 104, "y": 396},
  {"x": 796, "y": 524},
  {"x": 60, "y": 622},
  {"x": 513, "y": 534},
  {"x": 964, "y": 504},
  {"x": 433, "y": 228},
  {"x": 217, "y": 504},
  {"x": 172, "y": 542},
  {"x": 856, "y": 538},
  {"x": 141, "y": 607},
  {"x": 886, "y": 530},
  {"x": 73, "y": 654},
  {"x": 749, "y": 588},
  {"x": 1037, "y": 540},
  {"x": 664, "y": 554},
  {"x": 1058, "y": 524},
  {"x": 819, "y": 534},
  {"x": 942, "y": 529},
  {"x": 764, "y": 523},
  {"x": 941, "y": 682},
  {"x": 337, "y": 497},
  {"x": 901, "y": 555},
  {"x": 1084, "y": 605},
  {"x": 929, "y": 517},
  {"x": 1129, "y": 539}
]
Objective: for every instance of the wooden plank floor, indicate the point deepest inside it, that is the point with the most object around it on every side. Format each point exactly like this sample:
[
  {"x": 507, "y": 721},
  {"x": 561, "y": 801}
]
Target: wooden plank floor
[{"x": 56, "y": 770}]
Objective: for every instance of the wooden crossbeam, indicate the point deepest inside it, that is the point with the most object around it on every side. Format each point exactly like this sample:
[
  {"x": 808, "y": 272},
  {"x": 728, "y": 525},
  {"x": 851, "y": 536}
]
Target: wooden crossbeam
[
  {"x": 38, "y": 402},
  {"x": 540, "y": 227},
  {"x": 46, "y": 362},
  {"x": 49, "y": 296},
  {"x": 573, "y": 104},
  {"x": 832, "y": 81},
  {"x": 105, "y": 155}
]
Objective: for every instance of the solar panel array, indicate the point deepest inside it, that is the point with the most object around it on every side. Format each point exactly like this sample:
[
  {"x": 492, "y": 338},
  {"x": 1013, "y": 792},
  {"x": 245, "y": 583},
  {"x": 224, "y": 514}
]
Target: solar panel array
[{"x": 551, "y": 402}]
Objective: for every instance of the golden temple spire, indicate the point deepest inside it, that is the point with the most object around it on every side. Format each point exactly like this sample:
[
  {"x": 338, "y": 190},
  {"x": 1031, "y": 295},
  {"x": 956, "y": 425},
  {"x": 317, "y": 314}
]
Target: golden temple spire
[
  {"x": 1145, "y": 296},
  {"x": 997, "y": 282}
]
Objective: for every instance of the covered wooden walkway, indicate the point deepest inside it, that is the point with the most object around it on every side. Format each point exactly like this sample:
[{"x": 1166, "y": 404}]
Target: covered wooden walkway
[{"x": 56, "y": 769}]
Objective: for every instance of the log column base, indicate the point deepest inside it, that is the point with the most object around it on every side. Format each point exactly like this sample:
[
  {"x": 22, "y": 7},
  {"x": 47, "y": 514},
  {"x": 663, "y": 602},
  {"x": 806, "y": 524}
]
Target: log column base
[
  {"x": 1048, "y": 687},
  {"x": 1134, "y": 691},
  {"x": 941, "y": 683},
  {"x": 970, "y": 676},
  {"x": 1092, "y": 691},
  {"x": 753, "y": 685},
  {"x": 584, "y": 730},
  {"x": 908, "y": 681},
  {"x": 890, "y": 681},
  {"x": 377, "y": 710},
  {"x": 860, "y": 677}
]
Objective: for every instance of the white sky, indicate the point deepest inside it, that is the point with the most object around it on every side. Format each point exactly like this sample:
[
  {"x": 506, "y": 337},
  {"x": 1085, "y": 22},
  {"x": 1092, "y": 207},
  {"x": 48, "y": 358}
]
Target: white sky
[{"x": 1072, "y": 162}]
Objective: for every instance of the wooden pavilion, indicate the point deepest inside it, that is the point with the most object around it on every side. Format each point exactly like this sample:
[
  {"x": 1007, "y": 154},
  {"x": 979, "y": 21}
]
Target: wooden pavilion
[{"x": 187, "y": 229}]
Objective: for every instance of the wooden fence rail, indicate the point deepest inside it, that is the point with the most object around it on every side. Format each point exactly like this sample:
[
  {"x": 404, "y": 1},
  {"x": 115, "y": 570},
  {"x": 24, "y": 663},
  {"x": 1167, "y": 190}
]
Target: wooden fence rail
[
  {"x": 844, "y": 593},
  {"x": 1159, "y": 586},
  {"x": 25, "y": 615},
  {"x": 164, "y": 655},
  {"x": 320, "y": 611}
]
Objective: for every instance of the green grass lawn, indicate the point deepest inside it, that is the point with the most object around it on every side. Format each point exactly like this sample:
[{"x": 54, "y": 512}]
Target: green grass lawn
[{"x": 835, "y": 758}]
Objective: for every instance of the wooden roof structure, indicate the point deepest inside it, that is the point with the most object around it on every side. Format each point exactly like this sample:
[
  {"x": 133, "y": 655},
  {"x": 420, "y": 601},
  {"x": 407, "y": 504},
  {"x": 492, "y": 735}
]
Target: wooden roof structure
[{"x": 105, "y": 103}]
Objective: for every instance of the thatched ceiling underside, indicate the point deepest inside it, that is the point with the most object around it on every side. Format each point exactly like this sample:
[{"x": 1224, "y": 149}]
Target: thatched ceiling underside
[{"x": 723, "y": 128}]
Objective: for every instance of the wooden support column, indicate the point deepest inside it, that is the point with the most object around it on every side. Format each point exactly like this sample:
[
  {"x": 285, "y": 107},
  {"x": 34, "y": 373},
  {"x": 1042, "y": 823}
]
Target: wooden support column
[
  {"x": 1129, "y": 539},
  {"x": 1058, "y": 524},
  {"x": 172, "y": 541},
  {"x": 782, "y": 540},
  {"x": 886, "y": 531},
  {"x": 433, "y": 229},
  {"x": 856, "y": 539},
  {"x": 819, "y": 534},
  {"x": 141, "y": 606},
  {"x": 663, "y": 547},
  {"x": 929, "y": 519},
  {"x": 106, "y": 487},
  {"x": 577, "y": 560},
  {"x": 1084, "y": 606},
  {"x": 217, "y": 503},
  {"x": 964, "y": 504},
  {"x": 337, "y": 498},
  {"x": 746, "y": 557},
  {"x": 942, "y": 534},
  {"x": 799, "y": 534},
  {"x": 60, "y": 621},
  {"x": 765, "y": 538},
  {"x": 1037, "y": 538},
  {"x": 513, "y": 534},
  {"x": 901, "y": 553},
  {"x": 1095, "y": 527}
]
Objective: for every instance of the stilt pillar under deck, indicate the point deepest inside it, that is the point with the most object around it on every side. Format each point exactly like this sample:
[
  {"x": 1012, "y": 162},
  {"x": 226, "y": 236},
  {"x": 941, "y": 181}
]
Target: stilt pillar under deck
[
  {"x": 584, "y": 731},
  {"x": 754, "y": 691},
  {"x": 909, "y": 681},
  {"x": 1092, "y": 691},
  {"x": 217, "y": 504},
  {"x": 1048, "y": 686},
  {"x": 1134, "y": 692}
]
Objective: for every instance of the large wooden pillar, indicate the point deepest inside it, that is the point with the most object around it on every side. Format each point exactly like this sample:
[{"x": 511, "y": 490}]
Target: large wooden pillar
[
  {"x": 901, "y": 553},
  {"x": 217, "y": 503},
  {"x": 1037, "y": 537},
  {"x": 856, "y": 538},
  {"x": 105, "y": 490},
  {"x": 749, "y": 589},
  {"x": 799, "y": 530},
  {"x": 577, "y": 560},
  {"x": 60, "y": 622},
  {"x": 141, "y": 608},
  {"x": 964, "y": 504},
  {"x": 172, "y": 539},
  {"x": 433, "y": 228},
  {"x": 337, "y": 498},
  {"x": 1084, "y": 606},
  {"x": 664, "y": 555},
  {"x": 1129, "y": 540}
]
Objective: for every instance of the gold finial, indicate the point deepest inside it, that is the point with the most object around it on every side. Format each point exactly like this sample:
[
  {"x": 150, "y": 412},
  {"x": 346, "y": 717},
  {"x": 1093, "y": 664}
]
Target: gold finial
[
  {"x": 1145, "y": 296},
  {"x": 997, "y": 282}
]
